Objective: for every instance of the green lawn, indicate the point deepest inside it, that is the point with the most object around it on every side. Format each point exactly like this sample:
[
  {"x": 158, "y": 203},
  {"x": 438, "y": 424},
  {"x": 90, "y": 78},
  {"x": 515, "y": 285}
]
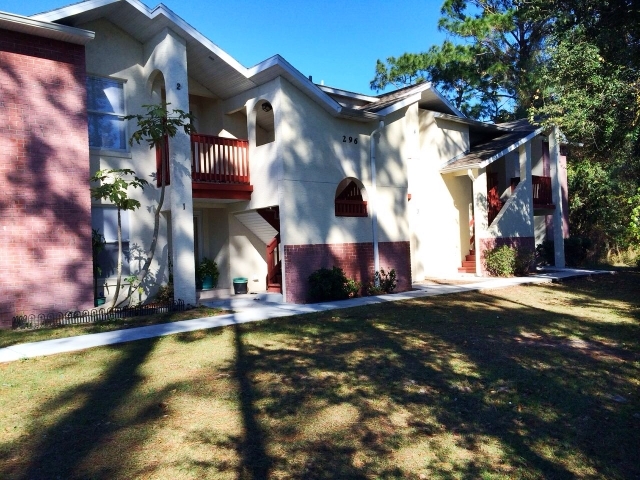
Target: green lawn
[
  {"x": 13, "y": 337},
  {"x": 526, "y": 382}
]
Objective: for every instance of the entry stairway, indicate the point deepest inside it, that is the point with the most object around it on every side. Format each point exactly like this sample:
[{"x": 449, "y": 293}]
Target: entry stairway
[{"x": 469, "y": 263}]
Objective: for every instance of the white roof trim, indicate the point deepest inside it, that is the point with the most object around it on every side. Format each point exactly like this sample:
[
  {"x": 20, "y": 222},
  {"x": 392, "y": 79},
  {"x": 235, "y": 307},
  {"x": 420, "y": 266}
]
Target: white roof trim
[
  {"x": 411, "y": 99},
  {"x": 297, "y": 78},
  {"x": 346, "y": 93},
  {"x": 276, "y": 61},
  {"x": 446, "y": 168},
  {"x": 75, "y": 9},
  {"x": 18, "y": 23},
  {"x": 471, "y": 122},
  {"x": 448, "y": 103},
  {"x": 78, "y": 8}
]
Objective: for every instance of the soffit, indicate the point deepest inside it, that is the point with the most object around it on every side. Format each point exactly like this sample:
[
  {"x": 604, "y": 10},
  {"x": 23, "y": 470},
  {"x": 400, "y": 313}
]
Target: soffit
[
  {"x": 488, "y": 152},
  {"x": 207, "y": 63},
  {"x": 38, "y": 28}
]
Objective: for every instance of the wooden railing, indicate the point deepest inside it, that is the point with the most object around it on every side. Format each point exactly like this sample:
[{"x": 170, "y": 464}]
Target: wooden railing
[
  {"x": 351, "y": 208},
  {"x": 219, "y": 160},
  {"x": 495, "y": 203},
  {"x": 213, "y": 160},
  {"x": 541, "y": 187},
  {"x": 274, "y": 265},
  {"x": 541, "y": 190}
]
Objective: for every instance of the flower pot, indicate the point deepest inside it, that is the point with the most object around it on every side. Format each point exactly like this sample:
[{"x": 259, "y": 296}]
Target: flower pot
[
  {"x": 207, "y": 282},
  {"x": 100, "y": 301}
]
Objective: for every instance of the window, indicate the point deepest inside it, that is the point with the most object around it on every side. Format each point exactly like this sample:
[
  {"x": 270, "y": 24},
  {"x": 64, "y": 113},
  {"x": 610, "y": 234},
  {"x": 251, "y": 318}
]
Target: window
[
  {"x": 105, "y": 220},
  {"x": 105, "y": 109},
  {"x": 349, "y": 201}
]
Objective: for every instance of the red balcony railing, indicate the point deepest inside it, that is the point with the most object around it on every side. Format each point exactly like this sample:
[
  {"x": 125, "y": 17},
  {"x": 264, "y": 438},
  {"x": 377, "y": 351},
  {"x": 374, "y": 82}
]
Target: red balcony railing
[
  {"x": 541, "y": 187},
  {"x": 219, "y": 167},
  {"x": 541, "y": 191},
  {"x": 219, "y": 160}
]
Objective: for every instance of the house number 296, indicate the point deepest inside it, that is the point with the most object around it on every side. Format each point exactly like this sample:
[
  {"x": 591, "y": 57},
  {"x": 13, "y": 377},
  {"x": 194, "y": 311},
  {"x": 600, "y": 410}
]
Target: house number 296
[{"x": 346, "y": 139}]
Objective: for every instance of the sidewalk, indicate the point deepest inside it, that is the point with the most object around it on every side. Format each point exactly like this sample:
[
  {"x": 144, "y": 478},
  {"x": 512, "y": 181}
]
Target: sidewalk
[{"x": 251, "y": 308}]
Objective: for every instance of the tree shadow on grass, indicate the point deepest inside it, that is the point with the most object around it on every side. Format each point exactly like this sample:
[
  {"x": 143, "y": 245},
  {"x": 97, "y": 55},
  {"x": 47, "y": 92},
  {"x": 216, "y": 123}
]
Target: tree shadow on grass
[
  {"x": 87, "y": 421},
  {"x": 358, "y": 389}
]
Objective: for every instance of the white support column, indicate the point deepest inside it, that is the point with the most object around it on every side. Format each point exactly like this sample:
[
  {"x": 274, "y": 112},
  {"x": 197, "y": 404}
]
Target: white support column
[
  {"x": 169, "y": 55},
  {"x": 524, "y": 156},
  {"x": 556, "y": 196},
  {"x": 480, "y": 213}
]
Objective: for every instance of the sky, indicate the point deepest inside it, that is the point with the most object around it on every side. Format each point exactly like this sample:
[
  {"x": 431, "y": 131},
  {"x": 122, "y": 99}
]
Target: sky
[{"x": 337, "y": 42}]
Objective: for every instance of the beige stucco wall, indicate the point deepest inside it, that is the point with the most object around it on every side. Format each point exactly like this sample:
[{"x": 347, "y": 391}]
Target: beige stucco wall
[
  {"x": 316, "y": 159},
  {"x": 214, "y": 239},
  {"x": 439, "y": 204},
  {"x": 115, "y": 54},
  {"x": 247, "y": 254},
  {"x": 516, "y": 216},
  {"x": 537, "y": 164}
]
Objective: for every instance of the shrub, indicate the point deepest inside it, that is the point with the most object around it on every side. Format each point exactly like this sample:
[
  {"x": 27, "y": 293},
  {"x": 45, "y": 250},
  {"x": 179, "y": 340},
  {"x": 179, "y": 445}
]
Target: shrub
[
  {"x": 325, "y": 285},
  {"x": 165, "y": 294},
  {"x": 506, "y": 261},
  {"x": 545, "y": 253},
  {"x": 208, "y": 268},
  {"x": 383, "y": 282},
  {"x": 500, "y": 261},
  {"x": 576, "y": 250},
  {"x": 525, "y": 261}
]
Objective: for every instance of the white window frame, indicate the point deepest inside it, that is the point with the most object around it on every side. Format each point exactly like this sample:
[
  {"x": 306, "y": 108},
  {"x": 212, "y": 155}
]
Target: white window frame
[{"x": 119, "y": 116}]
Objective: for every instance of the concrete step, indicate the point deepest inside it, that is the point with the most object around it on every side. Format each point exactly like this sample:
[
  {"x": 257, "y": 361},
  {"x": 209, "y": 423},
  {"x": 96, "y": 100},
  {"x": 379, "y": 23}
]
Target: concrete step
[
  {"x": 467, "y": 270},
  {"x": 470, "y": 258},
  {"x": 469, "y": 264}
]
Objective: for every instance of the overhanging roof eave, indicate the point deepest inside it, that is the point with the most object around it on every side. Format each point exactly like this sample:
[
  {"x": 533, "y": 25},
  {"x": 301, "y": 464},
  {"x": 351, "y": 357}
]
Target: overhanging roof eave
[
  {"x": 40, "y": 28},
  {"x": 453, "y": 165}
]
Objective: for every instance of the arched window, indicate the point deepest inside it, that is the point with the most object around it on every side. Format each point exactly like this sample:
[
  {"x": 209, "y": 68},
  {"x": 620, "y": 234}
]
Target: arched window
[
  {"x": 349, "y": 199},
  {"x": 265, "y": 124}
]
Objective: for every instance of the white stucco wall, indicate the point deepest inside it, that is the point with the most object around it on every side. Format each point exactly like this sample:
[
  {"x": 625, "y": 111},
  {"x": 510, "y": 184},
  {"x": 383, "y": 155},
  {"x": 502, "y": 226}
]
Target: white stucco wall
[
  {"x": 247, "y": 254},
  {"x": 439, "y": 204},
  {"x": 115, "y": 54},
  {"x": 317, "y": 155}
]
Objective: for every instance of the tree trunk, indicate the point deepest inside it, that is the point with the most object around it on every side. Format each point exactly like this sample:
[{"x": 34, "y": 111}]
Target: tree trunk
[
  {"x": 156, "y": 226},
  {"x": 119, "y": 278}
]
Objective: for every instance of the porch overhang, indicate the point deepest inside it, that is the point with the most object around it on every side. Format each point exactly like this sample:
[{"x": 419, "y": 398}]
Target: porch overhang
[{"x": 486, "y": 153}]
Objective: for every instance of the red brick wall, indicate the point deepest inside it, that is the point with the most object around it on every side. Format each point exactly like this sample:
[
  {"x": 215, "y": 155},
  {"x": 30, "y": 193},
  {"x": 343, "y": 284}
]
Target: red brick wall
[
  {"x": 356, "y": 259},
  {"x": 487, "y": 244},
  {"x": 45, "y": 207}
]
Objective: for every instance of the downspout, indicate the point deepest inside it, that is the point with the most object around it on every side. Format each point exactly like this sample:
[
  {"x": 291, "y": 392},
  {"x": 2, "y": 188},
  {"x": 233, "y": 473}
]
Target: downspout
[{"x": 373, "y": 200}]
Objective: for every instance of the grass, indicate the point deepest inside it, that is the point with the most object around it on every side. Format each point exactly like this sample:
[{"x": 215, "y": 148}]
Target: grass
[
  {"x": 530, "y": 382},
  {"x": 13, "y": 337}
]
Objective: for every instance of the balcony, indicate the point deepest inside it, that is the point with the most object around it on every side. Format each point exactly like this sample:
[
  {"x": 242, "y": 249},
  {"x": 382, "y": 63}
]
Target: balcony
[
  {"x": 219, "y": 167},
  {"x": 541, "y": 188}
]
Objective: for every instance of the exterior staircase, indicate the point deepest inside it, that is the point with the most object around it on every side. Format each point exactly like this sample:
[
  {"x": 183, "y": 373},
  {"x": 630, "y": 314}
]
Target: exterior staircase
[{"x": 468, "y": 264}]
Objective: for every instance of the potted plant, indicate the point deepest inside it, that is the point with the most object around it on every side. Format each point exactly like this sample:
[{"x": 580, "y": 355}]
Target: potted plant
[{"x": 207, "y": 273}]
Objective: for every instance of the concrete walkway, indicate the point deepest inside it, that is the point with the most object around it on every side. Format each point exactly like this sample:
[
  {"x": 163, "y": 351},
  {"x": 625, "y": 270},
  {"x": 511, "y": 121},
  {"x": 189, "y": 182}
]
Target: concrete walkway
[{"x": 252, "y": 308}]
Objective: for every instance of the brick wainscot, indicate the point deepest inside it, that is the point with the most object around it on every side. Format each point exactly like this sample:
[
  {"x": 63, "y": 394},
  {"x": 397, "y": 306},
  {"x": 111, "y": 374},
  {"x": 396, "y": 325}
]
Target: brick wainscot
[{"x": 356, "y": 259}]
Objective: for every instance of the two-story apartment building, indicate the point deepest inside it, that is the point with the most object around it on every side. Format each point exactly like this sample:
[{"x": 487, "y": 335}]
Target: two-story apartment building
[{"x": 282, "y": 177}]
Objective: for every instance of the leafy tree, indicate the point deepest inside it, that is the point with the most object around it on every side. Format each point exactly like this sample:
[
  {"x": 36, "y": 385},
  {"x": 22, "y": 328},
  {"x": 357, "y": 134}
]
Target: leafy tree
[
  {"x": 592, "y": 76},
  {"x": 592, "y": 92},
  {"x": 154, "y": 127},
  {"x": 114, "y": 186},
  {"x": 488, "y": 67}
]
